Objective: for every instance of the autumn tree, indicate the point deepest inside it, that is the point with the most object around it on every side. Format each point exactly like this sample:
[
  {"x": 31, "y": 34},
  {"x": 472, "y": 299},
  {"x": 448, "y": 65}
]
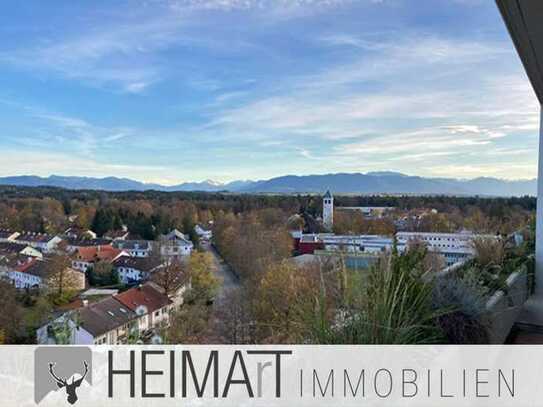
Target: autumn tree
[
  {"x": 85, "y": 215},
  {"x": 61, "y": 278},
  {"x": 189, "y": 325},
  {"x": 283, "y": 298},
  {"x": 204, "y": 281},
  {"x": 236, "y": 237},
  {"x": 235, "y": 317},
  {"x": 11, "y": 317},
  {"x": 170, "y": 276}
]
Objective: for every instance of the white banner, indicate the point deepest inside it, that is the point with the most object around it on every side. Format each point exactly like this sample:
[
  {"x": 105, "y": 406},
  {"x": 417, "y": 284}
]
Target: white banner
[{"x": 269, "y": 376}]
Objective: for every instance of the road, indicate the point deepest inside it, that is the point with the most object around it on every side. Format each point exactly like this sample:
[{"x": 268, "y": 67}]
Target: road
[{"x": 229, "y": 280}]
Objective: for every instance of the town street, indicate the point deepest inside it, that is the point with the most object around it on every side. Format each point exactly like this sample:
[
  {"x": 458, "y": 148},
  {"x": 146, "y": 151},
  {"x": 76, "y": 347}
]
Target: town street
[{"x": 229, "y": 281}]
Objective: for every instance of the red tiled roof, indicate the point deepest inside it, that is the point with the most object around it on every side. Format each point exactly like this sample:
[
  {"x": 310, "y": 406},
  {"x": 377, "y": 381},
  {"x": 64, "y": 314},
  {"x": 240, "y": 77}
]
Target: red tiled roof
[
  {"x": 145, "y": 295},
  {"x": 94, "y": 253},
  {"x": 23, "y": 268}
]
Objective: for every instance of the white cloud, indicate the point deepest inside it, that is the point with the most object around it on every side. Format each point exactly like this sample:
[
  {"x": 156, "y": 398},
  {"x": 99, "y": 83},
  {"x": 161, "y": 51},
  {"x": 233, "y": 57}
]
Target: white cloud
[
  {"x": 397, "y": 97},
  {"x": 122, "y": 50},
  {"x": 136, "y": 87},
  {"x": 437, "y": 99},
  {"x": 47, "y": 163}
]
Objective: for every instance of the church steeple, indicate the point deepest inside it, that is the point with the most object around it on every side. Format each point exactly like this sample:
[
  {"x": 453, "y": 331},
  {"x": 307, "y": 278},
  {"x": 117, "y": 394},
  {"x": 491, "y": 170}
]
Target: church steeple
[{"x": 328, "y": 210}]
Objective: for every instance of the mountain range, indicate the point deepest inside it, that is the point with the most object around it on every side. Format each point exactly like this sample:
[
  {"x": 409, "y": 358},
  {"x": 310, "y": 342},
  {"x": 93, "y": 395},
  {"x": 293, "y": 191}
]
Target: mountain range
[{"x": 353, "y": 183}]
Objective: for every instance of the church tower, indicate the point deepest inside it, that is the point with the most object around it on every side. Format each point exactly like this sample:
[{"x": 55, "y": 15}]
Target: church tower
[{"x": 328, "y": 211}]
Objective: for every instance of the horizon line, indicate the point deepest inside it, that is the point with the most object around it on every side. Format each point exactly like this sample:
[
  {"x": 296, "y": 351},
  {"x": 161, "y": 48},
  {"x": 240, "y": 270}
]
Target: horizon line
[{"x": 211, "y": 180}]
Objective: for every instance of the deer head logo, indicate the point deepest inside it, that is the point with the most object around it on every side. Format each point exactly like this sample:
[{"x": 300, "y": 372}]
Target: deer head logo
[{"x": 70, "y": 386}]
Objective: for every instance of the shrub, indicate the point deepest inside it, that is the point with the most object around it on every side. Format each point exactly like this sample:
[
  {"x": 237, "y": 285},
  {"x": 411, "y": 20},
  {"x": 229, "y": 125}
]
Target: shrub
[
  {"x": 465, "y": 300},
  {"x": 489, "y": 251},
  {"x": 397, "y": 307}
]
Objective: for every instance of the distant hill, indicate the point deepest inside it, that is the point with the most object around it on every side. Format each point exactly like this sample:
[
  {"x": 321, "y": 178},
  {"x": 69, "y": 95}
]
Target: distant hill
[
  {"x": 392, "y": 183},
  {"x": 370, "y": 183},
  {"x": 116, "y": 184}
]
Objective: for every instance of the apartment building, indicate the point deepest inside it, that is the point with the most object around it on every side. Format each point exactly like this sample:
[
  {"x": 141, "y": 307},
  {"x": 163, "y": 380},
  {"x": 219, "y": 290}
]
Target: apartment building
[
  {"x": 455, "y": 247},
  {"x": 133, "y": 315}
]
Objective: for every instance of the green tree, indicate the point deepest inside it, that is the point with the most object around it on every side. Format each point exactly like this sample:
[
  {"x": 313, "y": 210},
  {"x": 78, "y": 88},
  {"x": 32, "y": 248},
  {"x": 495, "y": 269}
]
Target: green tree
[
  {"x": 204, "y": 282},
  {"x": 61, "y": 278},
  {"x": 103, "y": 274},
  {"x": 189, "y": 325},
  {"x": 11, "y": 317}
]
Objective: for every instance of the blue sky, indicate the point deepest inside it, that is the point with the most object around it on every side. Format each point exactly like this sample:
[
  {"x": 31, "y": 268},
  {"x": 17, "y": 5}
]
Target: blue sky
[{"x": 184, "y": 90}]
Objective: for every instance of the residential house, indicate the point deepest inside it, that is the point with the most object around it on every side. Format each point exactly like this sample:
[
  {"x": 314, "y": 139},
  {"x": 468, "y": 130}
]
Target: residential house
[
  {"x": 8, "y": 235},
  {"x": 23, "y": 271},
  {"x": 136, "y": 313},
  {"x": 75, "y": 232},
  {"x": 117, "y": 234},
  {"x": 202, "y": 233},
  {"x": 104, "y": 322},
  {"x": 41, "y": 241},
  {"x": 136, "y": 248},
  {"x": 176, "y": 294},
  {"x": 175, "y": 244},
  {"x": 72, "y": 244},
  {"x": 135, "y": 269},
  {"x": 152, "y": 306},
  {"x": 32, "y": 272},
  {"x": 9, "y": 248},
  {"x": 86, "y": 257}
]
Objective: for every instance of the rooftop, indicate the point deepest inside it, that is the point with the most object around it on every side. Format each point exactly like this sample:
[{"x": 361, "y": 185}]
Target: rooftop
[
  {"x": 145, "y": 295},
  {"x": 87, "y": 242},
  {"x": 97, "y": 253},
  {"x": 104, "y": 316},
  {"x": 11, "y": 247},
  {"x": 138, "y": 263},
  {"x": 34, "y": 237},
  {"x": 133, "y": 244},
  {"x": 6, "y": 234}
]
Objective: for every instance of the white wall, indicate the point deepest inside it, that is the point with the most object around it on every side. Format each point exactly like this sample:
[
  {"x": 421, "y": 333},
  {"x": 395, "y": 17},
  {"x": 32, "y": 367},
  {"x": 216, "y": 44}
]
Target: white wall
[
  {"x": 83, "y": 337},
  {"x": 23, "y": 280}
]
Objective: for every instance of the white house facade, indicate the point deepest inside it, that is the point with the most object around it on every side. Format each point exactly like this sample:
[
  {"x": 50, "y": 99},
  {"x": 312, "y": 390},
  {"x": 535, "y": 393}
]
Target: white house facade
[
  {"x": 43, "y": 242},
  {"x": 175, "y": 244},
  {"x": 202, "y": 233},
  {"x": 134, "y": 269},
  {"x": 135, "y": 314},
  {"x": 454, "y": 247},
  {"x": 136, "y": 248}
]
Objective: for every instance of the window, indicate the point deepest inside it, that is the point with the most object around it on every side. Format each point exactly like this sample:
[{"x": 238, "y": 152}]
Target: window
[{"x": 157, "y": 313}]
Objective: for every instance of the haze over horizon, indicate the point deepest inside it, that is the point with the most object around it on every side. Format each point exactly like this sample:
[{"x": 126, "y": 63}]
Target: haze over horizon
[
  {"x": 212, "y": 181},
  {"x": 173, "y": 91}
]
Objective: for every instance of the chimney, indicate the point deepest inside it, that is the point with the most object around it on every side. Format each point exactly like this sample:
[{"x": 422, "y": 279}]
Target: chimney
[
  {"x": 139, "y": 287},
  {"x": 85, "y": 303}
]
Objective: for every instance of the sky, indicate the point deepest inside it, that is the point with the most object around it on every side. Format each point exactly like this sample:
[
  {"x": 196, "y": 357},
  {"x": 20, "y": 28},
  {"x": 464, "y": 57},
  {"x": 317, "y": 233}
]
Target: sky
[{"x": 170, "y": 91}]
